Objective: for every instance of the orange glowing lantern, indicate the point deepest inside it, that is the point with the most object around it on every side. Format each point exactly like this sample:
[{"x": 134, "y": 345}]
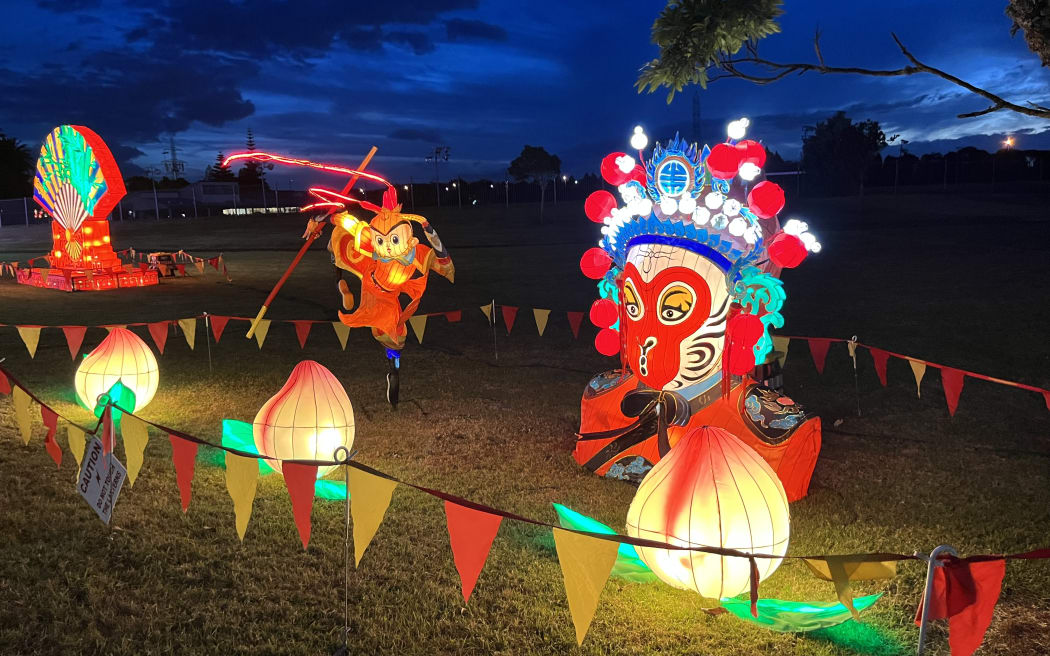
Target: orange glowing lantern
[
  {"x": 710, "y": 490},
  {"x": 308, "y": 419},
  {"x": 122, "y": 356}
]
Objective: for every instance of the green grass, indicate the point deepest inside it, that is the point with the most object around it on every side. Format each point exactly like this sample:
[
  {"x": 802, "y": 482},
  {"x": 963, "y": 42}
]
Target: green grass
[{"x": 960, "y": 281}]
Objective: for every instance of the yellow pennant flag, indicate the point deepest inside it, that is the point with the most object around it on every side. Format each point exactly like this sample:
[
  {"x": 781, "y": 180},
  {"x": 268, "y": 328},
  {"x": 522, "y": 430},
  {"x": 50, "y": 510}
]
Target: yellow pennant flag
[
  {"x": 189, "y": 330},
  {"x": 242, "y": 478},
  {"x": 200, "y": 266},
  {"x": 843, "y": 569},
  {"x": 342, "y": 331},
  {"x": 77, "y": 442},
  {"x": 31, "y": 336},
  {"x": 369, "y": 498},
  {"x": 135, "y": 434},
  {"x": 261, "y": 329},
  {"x": 419, "y": 324},
  {"x": 918, "y": 369},
  {"x": 487, "y": 309},
  {"x": 21, "y": 400},
  {"x": 781, "y": 345},
  {"x": 585, "y": 566},
  {"x": 541, "y": 319}
]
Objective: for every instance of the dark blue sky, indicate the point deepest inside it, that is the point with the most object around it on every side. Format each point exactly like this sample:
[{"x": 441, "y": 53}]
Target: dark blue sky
[{"x": 326, "y": 80}]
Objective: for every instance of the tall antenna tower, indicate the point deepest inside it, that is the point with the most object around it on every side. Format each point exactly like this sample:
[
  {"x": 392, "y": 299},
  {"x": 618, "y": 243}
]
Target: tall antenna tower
[
  {"x": 696, "y": 117},
  {"x": 173, "y": 164}
]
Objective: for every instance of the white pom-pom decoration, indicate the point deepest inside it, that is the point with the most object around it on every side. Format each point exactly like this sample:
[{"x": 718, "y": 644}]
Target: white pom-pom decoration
[
  {"x": 668, "y": 206},
  {"x": 713, "y": 200},
  {"x": 737, "y": 129},
  {"x": 731, "y": 207},
  {"x": 737, "y": 226},
  {"x": 625, "y": 163},
  {"x": 687, "y": 205},
  {"x": 749, "y": 171},
  {"x": 701, "y": 216}
]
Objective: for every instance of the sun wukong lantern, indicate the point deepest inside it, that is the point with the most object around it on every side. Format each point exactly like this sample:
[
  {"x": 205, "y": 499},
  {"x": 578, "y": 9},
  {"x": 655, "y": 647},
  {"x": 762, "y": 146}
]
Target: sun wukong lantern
[
  {"x": 122, "y": 356},
  {"x": 710, "y": 490},
  {"x": 308, "y": 419}
]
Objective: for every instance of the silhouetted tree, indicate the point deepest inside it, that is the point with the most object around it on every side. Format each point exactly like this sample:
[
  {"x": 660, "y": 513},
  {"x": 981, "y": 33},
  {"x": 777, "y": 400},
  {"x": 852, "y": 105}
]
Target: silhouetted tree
[
  {"x": 252, "y": 173},
  {"x": 535, "y": 165},
  {"x": 217, "y": 172},
  {"x": 836, "y": 155},
  {"x": 16, "y": 168}
]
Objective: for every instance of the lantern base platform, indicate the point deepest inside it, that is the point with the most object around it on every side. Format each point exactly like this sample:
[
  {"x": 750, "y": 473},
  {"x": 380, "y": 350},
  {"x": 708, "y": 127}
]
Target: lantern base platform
[{"x": 70, "y": 280}]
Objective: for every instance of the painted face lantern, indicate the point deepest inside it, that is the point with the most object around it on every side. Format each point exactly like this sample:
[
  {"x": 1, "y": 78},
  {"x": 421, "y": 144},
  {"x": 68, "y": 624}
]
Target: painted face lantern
[{"x": 692, "y": 275}]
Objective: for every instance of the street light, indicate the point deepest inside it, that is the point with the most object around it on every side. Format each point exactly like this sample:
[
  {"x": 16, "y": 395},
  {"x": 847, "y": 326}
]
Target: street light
[{"x": 1008, "y": 142}]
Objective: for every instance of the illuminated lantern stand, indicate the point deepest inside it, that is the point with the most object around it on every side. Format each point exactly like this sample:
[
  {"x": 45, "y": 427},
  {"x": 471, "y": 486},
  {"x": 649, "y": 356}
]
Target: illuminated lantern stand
[
  {"x": 122, "y": 356},
  {"x": 78, "y": 183}
]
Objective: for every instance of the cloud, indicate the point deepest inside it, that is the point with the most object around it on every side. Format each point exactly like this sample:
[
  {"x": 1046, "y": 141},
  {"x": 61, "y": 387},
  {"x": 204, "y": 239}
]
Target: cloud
[
  {"x": 412, "y": 134},
  {"x": 68, "y": 5},
  {"x": 461, "y": 29}
]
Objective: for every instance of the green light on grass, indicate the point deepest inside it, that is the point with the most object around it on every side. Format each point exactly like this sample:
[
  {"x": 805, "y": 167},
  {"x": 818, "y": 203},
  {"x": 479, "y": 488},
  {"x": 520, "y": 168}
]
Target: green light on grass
[
  {"x": 796, "y": 616},
  {"x": 628, "y": 565}
]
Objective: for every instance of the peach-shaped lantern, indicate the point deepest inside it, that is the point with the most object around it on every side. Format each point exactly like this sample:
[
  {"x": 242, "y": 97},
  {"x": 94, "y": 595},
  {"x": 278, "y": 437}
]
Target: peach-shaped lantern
[
  {"x": 122, "y": 356},
  {"x": 307, "y": 419},
  {"x": 710, "y": 490}
]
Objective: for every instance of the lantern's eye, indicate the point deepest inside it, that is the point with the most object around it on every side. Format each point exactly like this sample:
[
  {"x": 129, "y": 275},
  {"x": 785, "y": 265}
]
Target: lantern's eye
[
  {"x": 676, "y": 303},
  {"x": 379, "y": 240},
  {"x": 631, "y": 303},
  {"x": 395, "y": 240}
]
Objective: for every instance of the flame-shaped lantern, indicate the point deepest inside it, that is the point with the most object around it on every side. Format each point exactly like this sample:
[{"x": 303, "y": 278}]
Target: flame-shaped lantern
[
  {"x": 710, "y": 490},
  {"x": 122, "y": 356},
  {"x": 307, "y": 420}
]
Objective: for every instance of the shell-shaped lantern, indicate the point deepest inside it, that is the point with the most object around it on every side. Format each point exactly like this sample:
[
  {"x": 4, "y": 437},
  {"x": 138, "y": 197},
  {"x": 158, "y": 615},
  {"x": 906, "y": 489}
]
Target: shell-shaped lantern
[
  {"x": 122, "y": 356},
  {"x": 308, "y": 419},
  {"x": 710, "y": 490}
]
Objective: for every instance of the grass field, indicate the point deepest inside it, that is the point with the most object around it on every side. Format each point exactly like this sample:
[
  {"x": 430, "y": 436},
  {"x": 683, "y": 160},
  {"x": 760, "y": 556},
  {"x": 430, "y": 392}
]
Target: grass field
[{"x": 960, "y": 281}]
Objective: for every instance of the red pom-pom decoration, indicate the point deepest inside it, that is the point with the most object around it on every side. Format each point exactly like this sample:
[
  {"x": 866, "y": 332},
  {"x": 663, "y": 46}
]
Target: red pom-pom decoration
[
  {"x": 594, "y": 263},
  {"x": 611, "y": 171},
  {"x": 603, "y": 313},
  {"x": 607, "y": 341},
  {"x": 753, "y": 152},
  {"x": 724, "y": 161},
  {"x": 742, "y": 332},
  {"x": 599, "y": 205},
  {"x": 766, "y": 199},
  {"x": 786, "y": 250}
]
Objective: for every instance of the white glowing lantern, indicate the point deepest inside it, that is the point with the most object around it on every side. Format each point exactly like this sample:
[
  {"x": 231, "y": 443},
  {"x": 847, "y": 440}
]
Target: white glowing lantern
[
  {"x": 122, "y": 356},
  {"x": 737, "y": 129},
  {"x": 710, "y": 490},
  {"x": 638, "y": 140},
  {"x": 308, "y": 419}
]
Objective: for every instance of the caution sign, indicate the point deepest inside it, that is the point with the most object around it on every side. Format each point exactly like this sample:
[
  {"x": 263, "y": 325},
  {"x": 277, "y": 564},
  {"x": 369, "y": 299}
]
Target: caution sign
[{"x": 100, "y": 480}]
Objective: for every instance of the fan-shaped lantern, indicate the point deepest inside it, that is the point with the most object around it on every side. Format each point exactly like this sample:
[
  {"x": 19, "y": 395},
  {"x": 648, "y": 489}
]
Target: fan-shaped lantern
[
  {"x": 308, "y": 419},
  {"x": 710, "y": 490},
  {"x": 122, "y": 356}
]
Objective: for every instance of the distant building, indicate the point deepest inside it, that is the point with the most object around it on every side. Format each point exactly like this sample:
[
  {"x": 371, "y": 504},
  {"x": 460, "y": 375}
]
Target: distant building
[{"x": 198, "y": 198}]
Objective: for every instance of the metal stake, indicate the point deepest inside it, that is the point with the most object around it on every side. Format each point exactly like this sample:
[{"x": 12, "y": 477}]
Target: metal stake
[
  {"x": 492, "y": 320},
  {"x": 207, "y": 338},
  {"x": 933, "y": 564},
  {"x": 851, "y": 344}
]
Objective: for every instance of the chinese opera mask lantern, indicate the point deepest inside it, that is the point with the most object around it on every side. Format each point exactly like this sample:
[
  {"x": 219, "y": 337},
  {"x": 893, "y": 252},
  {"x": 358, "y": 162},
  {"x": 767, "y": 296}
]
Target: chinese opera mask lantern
[
  {"x": 710, "y": 490},
  {"x": 122, "y": 356},
  {"x": 308, "y": 419}
]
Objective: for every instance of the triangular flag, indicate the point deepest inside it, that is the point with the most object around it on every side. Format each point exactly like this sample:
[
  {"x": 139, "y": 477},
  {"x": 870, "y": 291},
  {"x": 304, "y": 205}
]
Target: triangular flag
[
  {"x": 159, "y": 332},
  {"x": 242, "y": 479},
  {"x": 21, "y": 401},
  {"x": 214, "y": 262},
  {"x": 74, "y": 338},
  {"x": 781, "y": 345},
  {"x": 487, "y": 309},
  {"x": 470, "y": 533},
  {"x": 454, "y": 316},
  {"x": 918, "y": 369},
  {"x": 184, "y": 457},
  {"x": 181, "y": 268},
  {"x": 261, "y": 329},
  {"x": 50, "y": 419},
  {"x": 342, "y": 331},
  {"x": 189, "y": 330},
  {"x": 509, "y": 312},
  {"x": 299, "y": 479},
  {"x": 369, "y": 498},
  {"x": 952, "y": 381},
  {"x": 419, "y": 324},
  {"x": 585, "y": 565},
  {"x": 879, "y": 357},
  {"x": 218, "y": 324},
  {"x": 843, "y": 569},
  {"x": 541, "y": 317},
  {"x": 200, "y": 265},
  {"x": 5, "y": 384},
  {"x": 77, "y": 442},
  {"x": 966, "y": 593},
  {"x": 302, "y": 330},
  {"x": 1046, "y": 397},
  {"x": 575, "y": 319},
  {"x": 109, "y": 438},
  {"x": 135, "y": 435},
  {"x": 818, "y": 348},
  {"x": 31, "y": 336}
]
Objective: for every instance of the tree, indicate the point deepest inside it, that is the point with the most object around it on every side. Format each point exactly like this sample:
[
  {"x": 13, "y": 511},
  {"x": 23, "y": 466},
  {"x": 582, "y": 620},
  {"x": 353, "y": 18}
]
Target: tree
[
  {"x": 218, "y": 172},
  {"x": 535, "y": 165},
  {"x": 252, "y": 173},
  {"x": 700, "y": 41},
  {"x": 16, "y": 168},
  {"x": 839, "y": 151}
]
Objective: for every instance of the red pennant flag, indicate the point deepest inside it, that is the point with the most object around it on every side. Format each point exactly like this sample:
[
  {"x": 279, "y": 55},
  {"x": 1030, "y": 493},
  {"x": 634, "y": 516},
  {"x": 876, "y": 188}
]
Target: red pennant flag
[
  {"x": 218, "y": 324},
  {"x": 454, "y": 316},
  {"x": 470, "y": 532},
  {"x": 1046, "y": 397},
  {"x": 818, "y": 348},
  {"x": 74, "y": 338},
  {"x": 50, "y": 419},
  {"x": 965, "y": 592},
  {"x": 509, "y": 312},
  {"x": 5, "y": 384},
  {"x": 184, "y": 457},
  {"x": 299, "y": 479},
  {"x": 302, "y": 331},
  {"x": 880, "y": 357},
  {"x": 181, "y": 268},
  {"x": 214, "y": 262},
  {"x": 159, "y": 332},
  {"x": 109, "y": 436},
  {"x": 952, "y": 381},
  {"x": 575, "y": 319}
]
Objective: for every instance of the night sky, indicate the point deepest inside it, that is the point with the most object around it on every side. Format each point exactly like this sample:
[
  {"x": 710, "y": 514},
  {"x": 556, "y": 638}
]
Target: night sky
[{"x": 325, "y": 80}]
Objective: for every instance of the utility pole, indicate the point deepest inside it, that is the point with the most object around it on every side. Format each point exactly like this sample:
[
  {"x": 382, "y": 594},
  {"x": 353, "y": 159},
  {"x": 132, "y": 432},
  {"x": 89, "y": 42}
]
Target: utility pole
[
  {"x": 151, "y": 172},
  {"x": 440, "y": 154}
]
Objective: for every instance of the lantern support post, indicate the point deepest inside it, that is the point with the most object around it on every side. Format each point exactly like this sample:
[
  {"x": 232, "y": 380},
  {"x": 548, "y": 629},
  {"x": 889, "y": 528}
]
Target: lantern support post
[
  {"x": 933, "y": 562},
  {"x": 207, "y": 338},
  {"x": 345, "y": 460},
  {"x": 495, "y": 351}
]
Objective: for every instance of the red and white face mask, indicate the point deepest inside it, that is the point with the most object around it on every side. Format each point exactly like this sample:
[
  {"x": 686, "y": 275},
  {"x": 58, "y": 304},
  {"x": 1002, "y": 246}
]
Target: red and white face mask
[{"x": 675, "y": 305}]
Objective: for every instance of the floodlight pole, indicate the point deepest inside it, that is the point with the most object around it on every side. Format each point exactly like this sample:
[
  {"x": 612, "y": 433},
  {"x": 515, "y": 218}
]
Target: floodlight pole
[{"x": 933, "y": 562}]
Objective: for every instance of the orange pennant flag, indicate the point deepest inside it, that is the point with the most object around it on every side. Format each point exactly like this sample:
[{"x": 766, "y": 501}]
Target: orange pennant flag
[
  {"x": 470, "y": 534},
  {"x": 184, "y": 457},
  {"x": 299, "y": 479},
  {"x": 74, "y": 338}
]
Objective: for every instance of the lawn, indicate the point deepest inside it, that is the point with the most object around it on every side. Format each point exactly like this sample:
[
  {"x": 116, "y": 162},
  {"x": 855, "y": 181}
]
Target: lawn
[{"x": 960, "y": 281}]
